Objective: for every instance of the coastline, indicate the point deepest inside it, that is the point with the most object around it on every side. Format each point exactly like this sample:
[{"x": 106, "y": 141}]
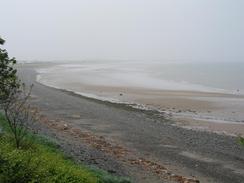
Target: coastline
[
  {"x": 209, "y": 157},
  {"x": 204, "y": 111}
]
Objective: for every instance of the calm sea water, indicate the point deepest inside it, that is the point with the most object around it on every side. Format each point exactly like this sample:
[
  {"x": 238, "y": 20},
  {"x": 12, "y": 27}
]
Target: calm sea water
[
  {"x": 219, "y": 77},
  {"x": 228, "y": 76}
]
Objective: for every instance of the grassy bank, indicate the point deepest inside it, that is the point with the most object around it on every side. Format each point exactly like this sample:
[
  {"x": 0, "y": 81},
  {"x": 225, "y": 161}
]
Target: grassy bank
[{"x": 40, "y": 161}]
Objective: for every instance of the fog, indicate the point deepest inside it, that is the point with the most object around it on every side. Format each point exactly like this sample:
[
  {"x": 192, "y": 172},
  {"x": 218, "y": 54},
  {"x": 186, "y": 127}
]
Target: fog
[{"x": 165, "y": 30}]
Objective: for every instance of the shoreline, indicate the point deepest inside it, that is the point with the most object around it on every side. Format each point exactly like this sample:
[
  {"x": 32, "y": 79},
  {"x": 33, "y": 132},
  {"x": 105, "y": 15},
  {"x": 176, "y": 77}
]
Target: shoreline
[
  {"x": 208, "y": 157},
  {"x": 195, "y": 110},
  {"x": 229, "y": 128}
]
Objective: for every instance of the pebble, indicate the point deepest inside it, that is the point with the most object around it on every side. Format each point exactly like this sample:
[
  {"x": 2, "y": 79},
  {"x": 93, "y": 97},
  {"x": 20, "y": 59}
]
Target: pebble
[{"x": 65, "y": 127}]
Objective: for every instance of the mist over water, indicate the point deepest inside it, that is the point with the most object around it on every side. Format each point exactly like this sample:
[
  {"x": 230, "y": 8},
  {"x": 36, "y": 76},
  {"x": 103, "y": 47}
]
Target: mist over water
[
  {"x": 227, "y": 76},
  {"x": 206, "y": 77}
]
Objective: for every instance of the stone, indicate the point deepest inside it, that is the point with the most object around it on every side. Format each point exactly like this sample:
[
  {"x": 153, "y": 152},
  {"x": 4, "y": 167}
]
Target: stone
[{"x": 65, "y": 127}]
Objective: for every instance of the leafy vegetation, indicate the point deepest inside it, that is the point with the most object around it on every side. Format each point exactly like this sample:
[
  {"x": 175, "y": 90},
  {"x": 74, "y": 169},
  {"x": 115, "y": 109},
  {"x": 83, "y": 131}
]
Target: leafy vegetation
[
  {"x": 241, "y": 140},
  {"x": 38, "y": 164},
  {"x": 9, "y": 82},
  {"x": 13, "y": 98},
  {"x": 40, "y": 161}
]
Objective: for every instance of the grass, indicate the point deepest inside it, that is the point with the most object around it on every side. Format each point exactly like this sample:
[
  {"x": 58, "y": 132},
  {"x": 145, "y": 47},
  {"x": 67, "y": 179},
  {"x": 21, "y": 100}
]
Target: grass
[{"x": 39, "y": 161}]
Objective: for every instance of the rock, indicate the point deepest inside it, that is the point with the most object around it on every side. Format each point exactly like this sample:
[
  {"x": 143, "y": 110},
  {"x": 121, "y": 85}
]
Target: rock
[
  {"x": 111, "y": 171},
  {"x": 65, "y": 127}
]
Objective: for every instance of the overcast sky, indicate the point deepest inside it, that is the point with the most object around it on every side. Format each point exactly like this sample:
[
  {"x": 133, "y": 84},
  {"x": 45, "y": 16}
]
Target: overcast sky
[{"x": 195, "y": 30}]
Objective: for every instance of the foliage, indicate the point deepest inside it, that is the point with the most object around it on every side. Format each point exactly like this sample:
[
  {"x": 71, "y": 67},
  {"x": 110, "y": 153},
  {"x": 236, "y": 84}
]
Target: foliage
[
  {"x": 1, "y": 41},
  {"x": 9, "y": 81},
  {"x": 38, "y": 164},
  {"x": 241, "y": 140},
  {"x": 14, "y": 98},
  {"x": 42, "y": 162}
]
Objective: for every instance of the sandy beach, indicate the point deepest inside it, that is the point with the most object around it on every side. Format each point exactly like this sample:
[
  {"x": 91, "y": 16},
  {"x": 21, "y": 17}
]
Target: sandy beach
[
  {"x": 211, "y": 111},
  {"x": 215, "y": 112},
  {"x": 139, "y": 140}
]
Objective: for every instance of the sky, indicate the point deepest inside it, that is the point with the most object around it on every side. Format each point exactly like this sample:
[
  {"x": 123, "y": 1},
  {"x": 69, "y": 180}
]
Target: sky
[{"x": 178, "y": 30}]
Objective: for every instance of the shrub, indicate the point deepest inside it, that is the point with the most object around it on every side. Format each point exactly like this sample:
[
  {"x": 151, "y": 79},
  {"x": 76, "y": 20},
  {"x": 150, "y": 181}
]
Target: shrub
[
  {"x": 14, "y": 98},
  {"x": 38, "y": 164},
  {"x": 40, "y": 161},
  {"x": 9, "y": 82},
  {"x": 241, "y": 140}
]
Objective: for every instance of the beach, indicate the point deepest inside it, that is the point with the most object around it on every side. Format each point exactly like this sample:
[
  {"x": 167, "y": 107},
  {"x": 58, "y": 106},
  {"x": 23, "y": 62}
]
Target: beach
[
  {"x": 126, "y": 91},
  {"x": 194, "y": 105},
  {"x": 151, "y": 135}
]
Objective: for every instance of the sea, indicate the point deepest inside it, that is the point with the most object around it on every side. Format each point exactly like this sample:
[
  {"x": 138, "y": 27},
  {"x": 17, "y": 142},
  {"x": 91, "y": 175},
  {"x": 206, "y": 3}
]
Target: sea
[{"x": 221, "y": 77}]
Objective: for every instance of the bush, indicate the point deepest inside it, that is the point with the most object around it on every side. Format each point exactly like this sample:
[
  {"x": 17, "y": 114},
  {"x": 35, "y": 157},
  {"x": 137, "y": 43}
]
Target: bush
[
  {"x": 38, "y": 164},
  {"x": 39, "y": 160},
  {"x": 241, "y": 140}
]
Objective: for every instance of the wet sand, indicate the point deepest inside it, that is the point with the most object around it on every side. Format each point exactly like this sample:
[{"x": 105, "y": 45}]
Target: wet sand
[
  {"x": 215, "y": 112},
  {"x": 209, "y": 157}
]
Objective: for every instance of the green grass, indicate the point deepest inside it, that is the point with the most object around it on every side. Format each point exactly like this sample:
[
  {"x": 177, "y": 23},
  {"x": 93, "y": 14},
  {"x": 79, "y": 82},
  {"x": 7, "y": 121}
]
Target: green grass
[{"x": 39, "y": 160}]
